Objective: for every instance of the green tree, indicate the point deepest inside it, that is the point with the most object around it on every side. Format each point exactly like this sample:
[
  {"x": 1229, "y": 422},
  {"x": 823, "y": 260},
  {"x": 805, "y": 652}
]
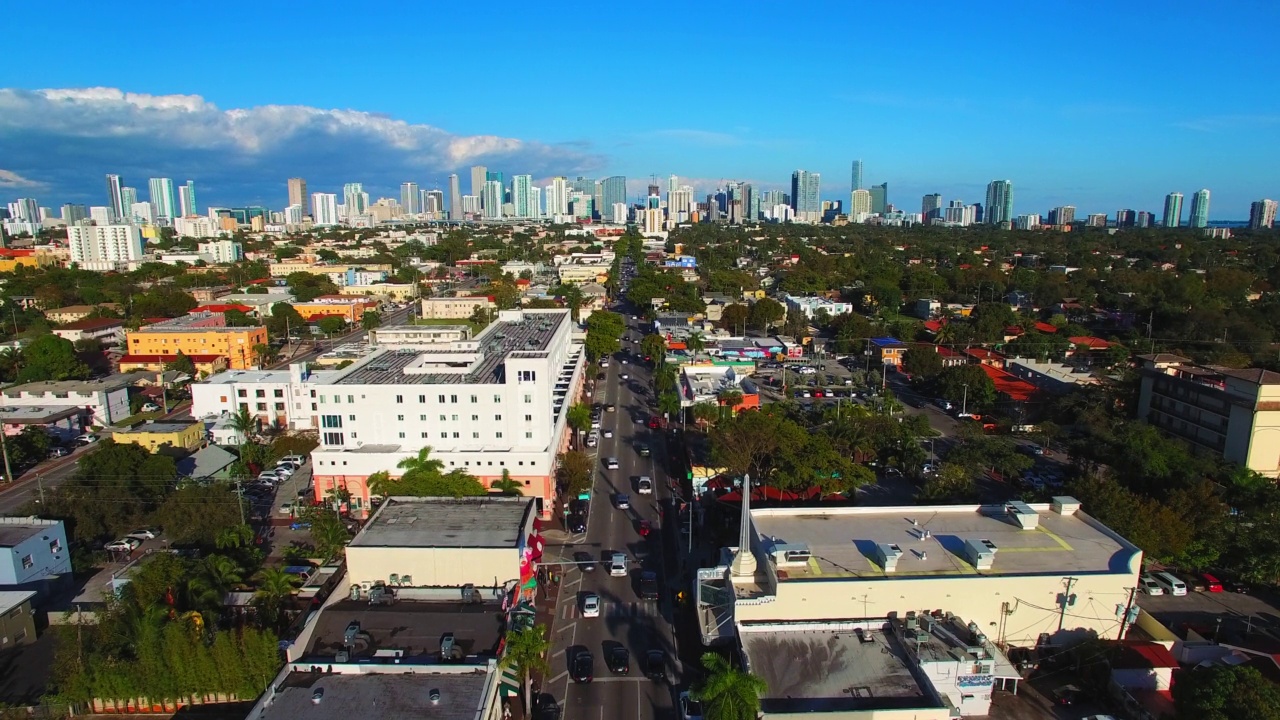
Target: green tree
[
  {"x": 764, "y": 313},
  {"x": 331, "y": 325},
  {"x": 922, "y": 362},
  {"x": 307, "y": 286},
  {"x": 604, "y": 331},
  {"x": 245, "y": 424},
  {"x": 579, "y": 418},
  {"x": 50, "y": 357},
  {"x": 734, "y": 318},
  {"x": 199, "y": 514},
  {"x": 968, "y": 386},
  {"x": 669, "y": 404},
  {"x": 756, "y": 442},
  {"x": 274, "y": 587},
  {"x": 285, "y": 320},
  {"x": 654, "y": 346},
  {"x": 237, "y": 318},
  {"x": 266, "y": 354},
  {"x": 526, "y": 651},
  {"x": 181, "y": 363},
  {"x": 1225, "y": 692},
  {"x": 574, "y": 473},
  {"x": 370, "y": 320},
  {"x": 727, "y": 693},
  {"x": 951, "y": 483},
  {"x": 424, "y": 476},
  {"x": 506, "y": 485}
]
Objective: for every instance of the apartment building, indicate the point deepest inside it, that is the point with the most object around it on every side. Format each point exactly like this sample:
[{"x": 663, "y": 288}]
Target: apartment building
[
  {"x": 200, "y": 333},
  {"x": 105, "y": 330},
  {"x": 104, "y": 248},
  {"x": 397, "y": 335},
  {"x": 159, "y": 437},
  {"x": 383, "y": 291},
  {"x": 887, "y": 351},
  {"x": 1231, "y": 413},
  {"x": 72, "y": 313},
  {"x": 222, "y": 251},
  {"x": 454, "y": 308},
  {"x": 286, "y": 398},
  {"x": 34, "y": 553},
  {"x": 106, "y": 400},
  {"x": 349, "y": 308}
]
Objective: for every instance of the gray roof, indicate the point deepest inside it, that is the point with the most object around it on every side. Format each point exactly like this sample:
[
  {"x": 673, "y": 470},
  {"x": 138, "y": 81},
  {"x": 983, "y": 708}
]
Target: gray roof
[
  {"x": 205, "y": 462},
  {"x": 107, "y": 384},
  {"x": 475, "y": 522},
  {"x": 414, "y": 627},
  {"x": 393, "y": 695}
]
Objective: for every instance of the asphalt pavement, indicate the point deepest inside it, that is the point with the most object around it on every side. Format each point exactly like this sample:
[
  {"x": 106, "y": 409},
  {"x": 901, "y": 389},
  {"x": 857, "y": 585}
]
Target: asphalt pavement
[{"x": 625, "y": 619}]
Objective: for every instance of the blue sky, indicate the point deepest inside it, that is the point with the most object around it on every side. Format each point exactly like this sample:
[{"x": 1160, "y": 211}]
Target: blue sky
[{"x": 1098, "y": 104}]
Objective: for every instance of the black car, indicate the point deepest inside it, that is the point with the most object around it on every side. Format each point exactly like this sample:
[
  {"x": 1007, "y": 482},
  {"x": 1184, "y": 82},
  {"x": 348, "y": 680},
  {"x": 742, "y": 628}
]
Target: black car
[
  {"x": 619, "y": 660},
  {"x": 1066, "y": 695},
  {"x": 578, "y": 507},
  {"x": 585, "y": 562},
  {"x": 576, "y": 524},
  {"x": 655, "y": 666},
  {"x": 583, "y": 667},
  {"x": 649, "y": 585},
  {"x": 546, "y": 708},
  {"x": 642, "y": 449}
]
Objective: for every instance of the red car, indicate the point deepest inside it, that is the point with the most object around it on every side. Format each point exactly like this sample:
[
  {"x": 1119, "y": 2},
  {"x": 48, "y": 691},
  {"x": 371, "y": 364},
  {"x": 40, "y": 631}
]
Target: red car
[
  {"x": 646, "y": 527},
  {"x": 1211, "y": 583},
  {"x": 655, "y": 422}
]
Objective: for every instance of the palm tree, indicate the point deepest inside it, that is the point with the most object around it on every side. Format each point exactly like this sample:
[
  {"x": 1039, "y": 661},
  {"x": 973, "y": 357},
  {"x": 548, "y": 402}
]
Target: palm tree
[
  {"x": 579, "y": 418},
  {"x": 274, "y": 585},
  {"x": 244, "y": 424},
  {"x": 526, "y": 651},
  {"x": 423, "y": 464},
  {"x": 267, "y": 355},
  {"x": 730, "y": 399},
  {"x": 379, "y": 483},
  {"x": 727, "y": 693},
  {"x": 506, "y": 485},
  {"x": 695, "y": 342},
  {"x": 370, "y": 320}
]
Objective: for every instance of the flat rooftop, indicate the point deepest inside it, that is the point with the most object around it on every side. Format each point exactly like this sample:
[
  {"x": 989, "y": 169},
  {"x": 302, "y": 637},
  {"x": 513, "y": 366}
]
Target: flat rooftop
[
  {"x": 14, "y": 530},
  {"x": 414, "y": 627},
  {"x": 831, "y": 669},
  {"x": 392, "y": 695},
  {"x": 480, "y": 522},
  {"x": 24, "y": 414},
  {"x": 107, "y": 384},
  {"x": 163, "y": 427},
  {"x": 843, "y": 542},
  {"x": 487, "y": 361}
]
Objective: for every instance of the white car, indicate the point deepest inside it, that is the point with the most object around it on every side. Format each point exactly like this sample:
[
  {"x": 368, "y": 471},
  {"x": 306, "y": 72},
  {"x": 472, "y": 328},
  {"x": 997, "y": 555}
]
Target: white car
[
  {"x": 143, "y": 534},
  {"x": 644, "y": 485},
  {"x": 590, "y": 605},
  {"x": 150, "y": 407},
  {"x": 624, "y": 362},
  {"x": 123, "y": 545},
  {"x": 608, "y": 433},
  {"x": 286, "y": 509},
  {"x": 611, "y": 463},
  {"x": 618, "y": 565},
  {"x": 87, "y": 439},
  {"x": 295, "y": 459},
  {"x": 1150, "y": 586},
  {"x": 625, "y": 376},
  {"x": 592, "y": 440}
]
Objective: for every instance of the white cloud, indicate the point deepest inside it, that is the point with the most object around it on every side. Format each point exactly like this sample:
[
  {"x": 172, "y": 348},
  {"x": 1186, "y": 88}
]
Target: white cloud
[
  {"x": 10, "y": 179},
  {"x": 72, "y": 137}
]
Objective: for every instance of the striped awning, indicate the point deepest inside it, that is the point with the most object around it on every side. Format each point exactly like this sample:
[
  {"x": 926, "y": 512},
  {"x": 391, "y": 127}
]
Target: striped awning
[{"x": 509, "y": 681}]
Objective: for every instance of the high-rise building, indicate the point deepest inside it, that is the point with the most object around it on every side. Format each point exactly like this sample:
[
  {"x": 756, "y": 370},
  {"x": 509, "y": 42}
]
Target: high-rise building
[
  {"x": 680, "y": 204},
  {"x": 491, "y": 200},
  {"x": 164, "y": 198},
  {"x": 880, "y": 199},
  {"x": 750, "y": 202},
  {"x": 128, "y": 196},
  {"x": 103, "y": 215},
  {"x": 931, "y": 207},
  {"x": 673, "y": 184},
  {"x": 1173, "y": 210},
  {"x": 957, "y": 213},
  {"x": 1062, "y": 215},
  {"x": 859, "y": 204},
  {"x": 455, "y": 199},
  {"x": 806, "y": 197},
  {"x": 535, "y": 202},
  {"x": 433, "y": 203},
  {"x": 855, "y": 183},
  {"x": 558, "y": 197},
  {"x": 999, "y": 207},
  {"x": 410, "y": 199},
  {"x": 356, "y": 199},
  {"x": 479, "y": 174},
  {"x": 324, "y": 207},
  {"x": 114, "y": 200},
  {"x": 613, "y": 190},
  {"x": 1097, "y": 220},
  {"x": 187, "y": 199},
  {"x": 1200, "y": 209},
  {"x": 293, "y": 215},
  {"x": 470, "y": 204},
  {"x": 143, "y": 213},
  {"x": 25, "y": 210},
  {"x": 1145, "y": 219},
  {"x": 522, "y": 195},
  {"x": 1262, "y": 214},
  {"x": 104, "y": 247},
  {"x": 1126, "y": 218},
  {"x": 72, "y": 214},
  {"x": 619, "y": 213},
  {"x": 298, "y": 194},
  {"x": 1027, "y": 222}
]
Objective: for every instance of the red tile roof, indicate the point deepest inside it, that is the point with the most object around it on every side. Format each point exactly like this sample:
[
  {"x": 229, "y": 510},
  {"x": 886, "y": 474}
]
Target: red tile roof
[
  {"x": 933, "y": 326},
  {"x": 1006, "y": 384},
  {"x": 93, "y": 324},
  {"x": 983, "y": 354},
  {"x": 1094, "y": 343},
  {"x": 1013, "y": 330},
  {"x": 1045, "y": 327},
  {"x": 945, "y": 351},
  {"x": 223, "y": 308},
  {"x": 168, "y": 358}
]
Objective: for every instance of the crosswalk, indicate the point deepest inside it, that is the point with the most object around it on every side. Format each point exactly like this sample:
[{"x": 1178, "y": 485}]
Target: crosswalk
[{"x": 618, "y": 610}]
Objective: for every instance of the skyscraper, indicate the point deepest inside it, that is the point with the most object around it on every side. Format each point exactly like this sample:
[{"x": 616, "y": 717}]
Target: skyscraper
[
  {"x": 325, "y": 206},
  {"x": 355, "y": 199},
  {"x": 128, "y": 196},
  {"x": 114, "y": 200},
  {"x": 73, "y": 214},
  {"x": 410, "y": 199},
  {"x": 491, "y": 201},
  {"x": 478, "y": 176},
  {"x": 673, "y": 184},
  {"x": 1126, "y": 218},
  {"x": 859, "y": 203},
  {"x": 613, "y": 190},
  {"x": 931, "y": 207},
  {"x": 164, "y": 199},
  {"x": 557, "y": 199},
  {"x": 433, "y": 203},
  {"x": 1200, "y": 209},
  {"x": 999, "y": 202},
  {"x": 1062, "y": 215},
  {"x": 455, "y": 198},
  {"x": 522, "y": 195},
  {"x": 187, "y": 199},
  {"x": 805, "y": 195},
  {"x": 856, "y": 181},
  {"x": 879, "y": 199},
  {"x": 1262, "y": 215},
  {"x": 750, "y": 202},
  {"x": 1173, "y": 210},
  {"x": 298, "y": 194},
  {"x": 535, "y": 202}
]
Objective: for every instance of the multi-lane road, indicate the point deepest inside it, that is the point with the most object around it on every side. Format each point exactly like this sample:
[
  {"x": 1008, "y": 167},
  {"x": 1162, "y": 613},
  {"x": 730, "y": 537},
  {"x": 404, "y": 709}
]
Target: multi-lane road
[{"x": 625, "y": 619}]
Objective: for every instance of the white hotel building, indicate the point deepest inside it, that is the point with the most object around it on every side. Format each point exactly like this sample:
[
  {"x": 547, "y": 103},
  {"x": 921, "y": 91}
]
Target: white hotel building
[{"x": 491, "y": 403}]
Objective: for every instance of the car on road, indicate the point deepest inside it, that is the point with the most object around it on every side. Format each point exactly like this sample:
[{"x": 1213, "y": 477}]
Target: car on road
[
  {"x": 125, "y": 545},
  {"x": 144, "y": 534},
  {"x": 655, "y": 665},
  {"x": 642, "y": 450},
  {"x": 618, "y": 565},
  {"x": 149, "y": 407},
  {"x": 604, "y": 362},
  {"x": 690, "y": 709},
  {"x": 611, "y": 463},
  {"x": 618, "y": 660},
  {"x": 576, "y": 524},
  {"x": 57, "y": 452},
  {"x": 593, "y": 439},
  {"x": 87, "y": 439},
  {"x": 624, "y": 362},
  {"x": 644, "y": 528},
  {"x": 295, "y": 459},
  {"x": 622, "y": 500},
  {"x": 584, "y": 561},
  {"x": 590, "y": 605},
  {"x": 649, "y": 585},
  {"x": 546, "y": 708},
  {"x": 610, "y": 408},
  {"x": 625, "y": 376},
  {"x": 1066, "y": 695},
  {"x": 583, "y": 667},
  {"x": 655, "y": 422},
  {"x": 607, "y": 433},
  {"x": 1150, "y": 586},
  {"x": 644, "y": 485}
]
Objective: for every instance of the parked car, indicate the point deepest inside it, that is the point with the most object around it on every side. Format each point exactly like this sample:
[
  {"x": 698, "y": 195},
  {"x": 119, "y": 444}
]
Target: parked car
[
  {"x": 125, "y": 545},
  {"x": 295, "y": 459},
  {"x": 57, "y": 452},
  {"x": 286, "y": 509},
  {"x": 546, "y": 708},
  {"x": 593, "y": 440},
  {"x": 576, "y": 524},
  {"x": 1066, "y": 695},
  {"x": 1150, "y": 586},
  {"x": 1211, "y": 583},
  {"x": 144, "y": 534},
  {"x": 150, "y": 407},
  {"x": 87, "y": 439},
  {"x": 583, "y": 667}
]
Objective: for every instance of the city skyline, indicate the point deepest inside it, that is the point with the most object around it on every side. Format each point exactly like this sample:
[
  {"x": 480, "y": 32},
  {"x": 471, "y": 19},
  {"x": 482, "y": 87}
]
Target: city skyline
[{"x": 207, "y": 119}]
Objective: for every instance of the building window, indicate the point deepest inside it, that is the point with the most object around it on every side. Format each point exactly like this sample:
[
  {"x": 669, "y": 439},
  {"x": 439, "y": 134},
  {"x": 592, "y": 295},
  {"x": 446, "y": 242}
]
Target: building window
[
  {"x": 353, "y": 435},
  {"x": 352, "y": 418},
  {"x": 351, "y": 398},
  {"x": 455, "y": 418},
  {"x": 262, "y": 407},
  {"x": 498, "y": 434},
  {"x": 443, "y": 435},
  {"x": 475, "y": 418},
  {"x": 474, "y": 399},
  {"x": 528, "y": 418},
  {"x": 278, "y": 393},
  {"x": 497, "y": 418},
  {"x": 260, "y": 393},
  {"x": 331, "y": 421},
  {"x": 337, "y": 399},
  {"x": 497, "y": 398},
  {"x": 280, "y": 407},
  {"x": 400, "y": 418},
  {"x": 456, "y": 436},
  {"x": 526, "y": 376},
  {"x": 401, "y": 436},
  {"x": 422, "y": 399},
  {"x": 241, "y": 393},
  {"x": 313, "y": 407},
  {"x": 331, "y": 438},
  {"x": 27, "y": 562},
  {"x": 55, "y": 546},
  {"x": 443, "y": 418},
  {"x": 528, "y": 435},
  {"x": 453, "y": 399},
  {"x": 400, "y": 398}
]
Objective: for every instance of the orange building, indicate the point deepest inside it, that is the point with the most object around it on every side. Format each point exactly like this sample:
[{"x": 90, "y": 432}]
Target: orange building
[
  {"x": 198, "y": 334},
  {"x": 348, "y": 307}
]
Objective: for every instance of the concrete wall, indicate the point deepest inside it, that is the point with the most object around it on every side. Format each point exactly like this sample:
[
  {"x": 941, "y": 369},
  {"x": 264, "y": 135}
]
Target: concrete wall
[
  {"x": 447, "y": 567},
  {"x": 902, "y": 714}
]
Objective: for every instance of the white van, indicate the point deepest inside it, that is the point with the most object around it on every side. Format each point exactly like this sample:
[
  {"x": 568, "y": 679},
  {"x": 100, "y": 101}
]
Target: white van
[{"x": 1170, "y": 583}]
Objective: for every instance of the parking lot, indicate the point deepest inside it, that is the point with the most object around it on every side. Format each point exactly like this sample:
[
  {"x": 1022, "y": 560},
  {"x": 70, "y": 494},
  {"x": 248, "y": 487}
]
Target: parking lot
[{"x": 1220, "y": 615}]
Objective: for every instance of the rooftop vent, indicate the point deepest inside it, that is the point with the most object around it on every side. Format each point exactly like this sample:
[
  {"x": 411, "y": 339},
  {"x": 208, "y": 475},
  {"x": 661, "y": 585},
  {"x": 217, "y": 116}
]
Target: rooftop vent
[
  {"x": 791, "y": 554},
  {"x": 1065, "y": 505},
  {"x": 1022, "y": 514},
  {"x": 980, "y": 553},
  {"x": 887, "y": 554}
]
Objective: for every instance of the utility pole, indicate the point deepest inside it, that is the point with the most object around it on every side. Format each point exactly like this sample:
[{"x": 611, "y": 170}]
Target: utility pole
[
  {"x": 4, "y": 448},
  {"x": 1067, "y": 600},
  {"x": 240, "y": 496},
  {"x": 40, "y": 485},
  {"x": 1128, "y": 608},
  {"x": 964, "y": 405}
]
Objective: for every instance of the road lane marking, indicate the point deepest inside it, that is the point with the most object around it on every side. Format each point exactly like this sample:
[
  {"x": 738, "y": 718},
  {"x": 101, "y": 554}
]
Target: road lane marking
[
  {"x": 563, "y": 674},
  {"x": 621, "y": 679}
]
